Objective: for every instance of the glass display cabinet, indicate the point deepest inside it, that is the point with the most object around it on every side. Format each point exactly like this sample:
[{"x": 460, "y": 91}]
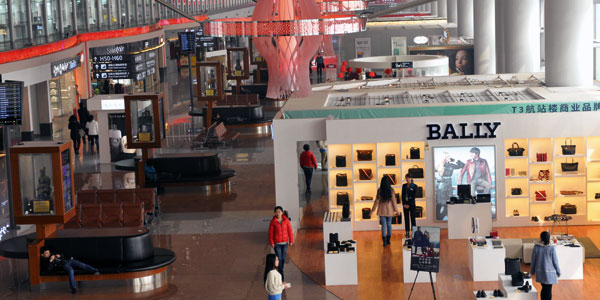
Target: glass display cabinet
[
  {"x": 210, "y": 80},
  {"x": 255, "y": 57},
  {"x": 237, "y": 64},
  {"x": 144, "y": 120},
  {"x": 42, "y": 182}
]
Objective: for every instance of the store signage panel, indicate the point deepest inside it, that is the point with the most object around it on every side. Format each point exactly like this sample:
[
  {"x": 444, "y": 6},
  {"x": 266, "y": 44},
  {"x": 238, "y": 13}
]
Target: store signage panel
[
  {"x": 112, "y": 104},
  {"x": 463, "y": 131},
  {"x": 11, "y": 97},
  {"x": 112, "y": 75},
  {"x": 64, "y": 66},
  {"x": 206, "y": 42},
  {"x": 402, "y": 64},
  {"x": 125, "y": 48}
]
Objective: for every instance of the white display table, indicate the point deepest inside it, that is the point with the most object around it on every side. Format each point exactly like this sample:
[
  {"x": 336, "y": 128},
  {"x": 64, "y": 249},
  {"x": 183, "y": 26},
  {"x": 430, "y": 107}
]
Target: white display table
[
  {"x": 570, "y": 260},
  {"x": 460, "y": 216},
  {"x": 512, "y": 292},
  {"x": 409, "y": 275},
  {"x": 485, "y": 263},
  {"x": 340, "y": 268}
]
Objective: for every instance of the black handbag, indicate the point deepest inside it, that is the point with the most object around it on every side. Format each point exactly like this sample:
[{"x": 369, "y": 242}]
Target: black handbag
[
  {"x": 340, "y": 161},
  {"x": 332, "y": 248},
  {"x": 597, "y": 196},
  {"x": 517, "y": 279},
  {"x": 341, "y": 179},
  {"x": 415, "y": 153},
  {"x": 418, "y": 211},
  {"x": 569, "y": 166},
  {"x": 390, "y": 159},
  {"x": 392, "y": 177},
  {"x": 365, "y": 174},
  {"x": 346, "y": 211},
  {"x": 568, "y": 149},
  {"x": 342, "y": 197},
  {"x": 366, "y": 213},
  {"x": 515, "y": 151},
  {"x": 512, "y": 266},
  {"x": 516, "y": 191},
  {"x": 419, "y": 192},
  {"x": 363, "y": 155},
  {"x": 334, "y": 238},
  {"x": 416, "y": 172},
  {"x": 398, "y": 200},
  {"x": 397, "y": 220},
  {"x": 568, "y": 209}
]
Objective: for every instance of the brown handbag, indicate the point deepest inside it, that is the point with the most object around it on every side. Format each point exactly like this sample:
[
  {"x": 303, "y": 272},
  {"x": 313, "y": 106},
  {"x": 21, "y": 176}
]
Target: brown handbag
[
  {"x": 392, "y": 177},
  {"x": 363, "y": 155},
  {"x": 365, "y": 174}
]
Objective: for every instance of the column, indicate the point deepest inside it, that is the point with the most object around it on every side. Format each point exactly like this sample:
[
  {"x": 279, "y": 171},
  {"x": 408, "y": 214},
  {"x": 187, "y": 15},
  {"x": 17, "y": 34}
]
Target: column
[
  {"x": 452, "y": 7},
  {"x": 434, "y": 9},
  {"x": 442, "y": 8},
  {"x": 569, "y": 45},
  {"x": 499, "y": 36},
  {"x": 521, "y": 36},
  {"x": 485, "y": 36},
  {"x": 465, "y": 18}
]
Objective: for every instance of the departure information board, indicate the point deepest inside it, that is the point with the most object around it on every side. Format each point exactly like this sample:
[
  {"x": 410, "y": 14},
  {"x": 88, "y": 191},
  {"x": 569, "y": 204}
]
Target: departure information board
[{"x": 11, "y": 97}]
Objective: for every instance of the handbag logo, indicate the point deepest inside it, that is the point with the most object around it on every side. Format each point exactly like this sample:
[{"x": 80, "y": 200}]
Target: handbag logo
[{"x": 463, "y": 131}]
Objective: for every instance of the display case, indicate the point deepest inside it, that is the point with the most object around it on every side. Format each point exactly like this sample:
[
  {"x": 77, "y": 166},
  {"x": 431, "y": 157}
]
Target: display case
[
  {"x": 255, "y": 57},
  {"x": 144, "y": 117},
  {"x": 237, "y": 63},
  {"x": 210, "y": 81},
  {"x": 42, "y": 186}
]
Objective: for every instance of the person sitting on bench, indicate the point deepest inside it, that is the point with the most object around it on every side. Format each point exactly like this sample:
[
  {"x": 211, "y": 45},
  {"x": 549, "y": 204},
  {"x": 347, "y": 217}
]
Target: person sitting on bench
[{"x": 50, "y": 261}]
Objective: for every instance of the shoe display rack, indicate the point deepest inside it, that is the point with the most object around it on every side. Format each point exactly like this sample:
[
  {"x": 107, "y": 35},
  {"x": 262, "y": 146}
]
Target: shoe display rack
[
  {"x": 536, "y": 185},
  {"x": 363, "y": 192}
]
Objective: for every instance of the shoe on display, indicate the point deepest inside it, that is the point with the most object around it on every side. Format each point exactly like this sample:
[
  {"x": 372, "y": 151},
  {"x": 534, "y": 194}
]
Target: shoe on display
[
  {"x": 483, "y": 294},
  {"x": 478, "y": 295},
  {"x": 500, "y": 293},
  {"x": 516, "y": 212},
  {"x": 495, "y": 293}
]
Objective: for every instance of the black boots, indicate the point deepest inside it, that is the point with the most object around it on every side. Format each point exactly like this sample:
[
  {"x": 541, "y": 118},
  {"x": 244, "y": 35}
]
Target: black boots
[{"x": 386, "y": 240}]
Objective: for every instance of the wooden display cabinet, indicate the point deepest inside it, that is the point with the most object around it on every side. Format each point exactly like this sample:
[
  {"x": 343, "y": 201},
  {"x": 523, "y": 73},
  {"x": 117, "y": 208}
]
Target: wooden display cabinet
[
  {"x": 237, "y": 64},
  {"x": 210, "y": 86},
  {"x": 43, "y": 190},
  {"x": 144, "y": 120}
]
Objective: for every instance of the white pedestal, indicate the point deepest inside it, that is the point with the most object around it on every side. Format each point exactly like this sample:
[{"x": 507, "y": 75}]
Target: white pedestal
[
  {"x": 341, "y": 268},
  {"x": 570, "y": 261},
  {"x": 409, "y": 275},
  {"x": 332, "y": 224},
  {"x": 512, "y": 293},
  {"x": 460, "y": 216},
  {"x": 485, "y": 263}
]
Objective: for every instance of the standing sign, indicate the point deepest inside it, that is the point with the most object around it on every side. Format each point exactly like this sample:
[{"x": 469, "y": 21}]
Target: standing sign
[
  {"x": 399, "y": 45},
  {"x": 362, "y": 47},
  {"x": 425, "y": 253}
]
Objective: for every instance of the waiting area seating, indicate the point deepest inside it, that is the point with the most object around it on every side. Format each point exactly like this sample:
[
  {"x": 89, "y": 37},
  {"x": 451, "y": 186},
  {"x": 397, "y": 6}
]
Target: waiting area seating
[
  {"x": 202, "y": 167},
  {"x": 215, "y": 135}
]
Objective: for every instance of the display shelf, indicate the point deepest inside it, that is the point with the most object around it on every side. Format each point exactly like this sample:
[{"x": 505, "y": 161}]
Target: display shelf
[
  {"x": 521, "y": 142},
  {"x": 405, "y": 150},
  {"x": 339, "y": 188},
  {"x": 356, "y": 147},
  {"x": 540, "y": 162},
  {"x": 540, "y": 145},
  {"x": 412, "y": 160},
  {"x": 570, "y": 175},
  {"x": 517, "y": 177},
  {"x": 569, "y": 156},
  {"x": 568, "y": 196},
  {"x": 579, "y": 142},
  {"x": 516, "y": 197},
  {"x": 515, "y": 157},
  {"x": 540, "y": 182},
  {"x": 340, "y": 169},
  {"x": 364, "y": 181},
  {"x": 358, "y": 201},
  {"x": 384, "y": 149},
  {"x": 342, "y": 150}
]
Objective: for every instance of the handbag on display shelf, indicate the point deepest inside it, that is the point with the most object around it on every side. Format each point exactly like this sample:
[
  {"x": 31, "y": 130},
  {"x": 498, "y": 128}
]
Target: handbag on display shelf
[
  {"x": 398, "y": 198},
  {"x": 346, "y": 211},
  {"x": 516, "y": 191},
  {"x": 515, "y": 150},
  {"x": 416, "y": 172},
  {"x": 365, "y": 174},
  {"x": 396, "y": 220},
  {"x": 568, "y": 149},
  {"x": 512, "y": 266},
  {"x": 571, "y": 193},
  {"x": 569, "y": 166},
  {"x": 341, "y": 198},
  {"x": 415, "y": 153},
  {"x": 568, "y": 209},
  {"x": 341, "y": 179},
  {"x": 390, "y": 159},
  {"x": 366, "y": 213},
  {"x": 597, "y": 196},
  {"x": 540, "y": 196},
  {"x": 419, "y": 192},
  {"x": 363, "y": 155},
  {"x": 340, "y": 161},
  {"x": 544, "y": 175},
  {"x": 517, "y": 279},
  {"x": 366, "y": 198},
  {"x": 392, "y": 177},
  {"x": 419, "y": 211},
  {"x": 541, "y": 157},
  {"x": 334, "y": 238}
]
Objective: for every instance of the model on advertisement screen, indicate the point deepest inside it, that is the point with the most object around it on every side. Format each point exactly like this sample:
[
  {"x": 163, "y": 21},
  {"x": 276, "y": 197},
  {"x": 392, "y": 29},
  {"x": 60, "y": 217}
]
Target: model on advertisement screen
[
  {"x": 443, "y": 183},
  {"x": 478, "y": 173}
]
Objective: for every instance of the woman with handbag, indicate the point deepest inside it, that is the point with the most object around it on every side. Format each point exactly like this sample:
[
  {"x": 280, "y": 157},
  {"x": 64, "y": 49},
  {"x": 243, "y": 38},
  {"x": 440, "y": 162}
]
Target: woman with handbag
[
  {"x": 386, "y": 208},
  {"x": 280, "y": 236},
  {"x": 544, "y": 265},
  {"x": 273, "y": 282}
]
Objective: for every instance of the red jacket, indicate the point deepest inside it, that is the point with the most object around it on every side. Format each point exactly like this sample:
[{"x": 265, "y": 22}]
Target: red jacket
[
  {"x": 307, "y": 159},
  {"x": 469, "y": 168},
  {"x": 280, "y": 232}
]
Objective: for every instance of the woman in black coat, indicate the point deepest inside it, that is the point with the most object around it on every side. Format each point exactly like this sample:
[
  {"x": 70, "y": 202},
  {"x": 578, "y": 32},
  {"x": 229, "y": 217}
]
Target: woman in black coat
[{"x": 74, "y": 127}]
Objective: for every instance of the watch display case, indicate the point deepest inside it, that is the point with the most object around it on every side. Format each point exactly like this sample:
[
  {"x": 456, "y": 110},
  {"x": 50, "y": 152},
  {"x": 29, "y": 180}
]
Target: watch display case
[
  {"x": 42, "y": 189},
  {"x": 144, "y": 120},
  {"x": 210, "y": 81},
  {"x": 237, "y": 63}
]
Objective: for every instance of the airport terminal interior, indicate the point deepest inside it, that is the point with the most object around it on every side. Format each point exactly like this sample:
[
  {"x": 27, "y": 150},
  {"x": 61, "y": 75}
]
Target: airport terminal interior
[{"x": 383, "y": 149}]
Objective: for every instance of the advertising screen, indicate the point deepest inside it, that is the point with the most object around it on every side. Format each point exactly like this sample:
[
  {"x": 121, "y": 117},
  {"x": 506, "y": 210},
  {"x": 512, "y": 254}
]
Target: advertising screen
[{"x": 454, "y": 166}]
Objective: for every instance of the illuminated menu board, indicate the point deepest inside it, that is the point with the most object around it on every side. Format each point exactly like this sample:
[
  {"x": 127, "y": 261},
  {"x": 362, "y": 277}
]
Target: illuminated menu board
[{"x": 11, "y": 97}]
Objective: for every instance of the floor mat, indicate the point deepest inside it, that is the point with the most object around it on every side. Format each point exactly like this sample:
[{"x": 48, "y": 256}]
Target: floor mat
[{"x": 591, "y": 251}]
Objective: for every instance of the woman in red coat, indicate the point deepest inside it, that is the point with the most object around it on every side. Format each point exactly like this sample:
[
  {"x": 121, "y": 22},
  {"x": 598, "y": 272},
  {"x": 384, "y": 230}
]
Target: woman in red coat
[{"x": 280, "y": 236}]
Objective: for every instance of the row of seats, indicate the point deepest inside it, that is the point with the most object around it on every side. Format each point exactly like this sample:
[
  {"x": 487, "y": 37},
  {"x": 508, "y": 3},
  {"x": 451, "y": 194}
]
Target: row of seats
[
  {"x": 144, "y": 195},
  {"x": 128, "y": 214}
]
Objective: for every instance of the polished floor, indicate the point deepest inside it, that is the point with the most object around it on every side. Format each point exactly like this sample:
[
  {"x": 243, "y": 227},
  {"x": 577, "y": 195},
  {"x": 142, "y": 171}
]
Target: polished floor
[{"x": 221, "y": 240}]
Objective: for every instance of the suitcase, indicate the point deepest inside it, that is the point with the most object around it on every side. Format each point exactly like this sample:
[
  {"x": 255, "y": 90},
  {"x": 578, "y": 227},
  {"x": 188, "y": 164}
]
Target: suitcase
[
  {"x": 366, "y": 213},
  {"x": 390, "y": 159},
  {"x": 419, "y": 211},
  {"x": 340, "y": 161},
  {"x": 341, "y": 179},
  {"x": 568, "y": 209},
  {"x": 342, "y": 197}
]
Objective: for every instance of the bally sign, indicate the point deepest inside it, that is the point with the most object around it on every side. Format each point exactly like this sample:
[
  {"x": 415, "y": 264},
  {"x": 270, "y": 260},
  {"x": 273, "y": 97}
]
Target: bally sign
[
  {"x": 463, "y": 131},
  {"x": 64, "y": 66}
]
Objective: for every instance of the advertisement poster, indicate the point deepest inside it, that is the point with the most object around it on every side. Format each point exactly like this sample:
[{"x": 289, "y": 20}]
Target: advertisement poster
[
  {"x": 474, "y": 165},
  {"x": 460, "y": 58},
  {"x": 362, "y": 47},
  {"x": 399, "y": 45},
  {"x": 425, "y": 252}
]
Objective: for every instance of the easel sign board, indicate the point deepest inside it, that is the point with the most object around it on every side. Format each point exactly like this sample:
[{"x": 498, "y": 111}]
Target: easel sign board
[{"x": 425, "y": 253}]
